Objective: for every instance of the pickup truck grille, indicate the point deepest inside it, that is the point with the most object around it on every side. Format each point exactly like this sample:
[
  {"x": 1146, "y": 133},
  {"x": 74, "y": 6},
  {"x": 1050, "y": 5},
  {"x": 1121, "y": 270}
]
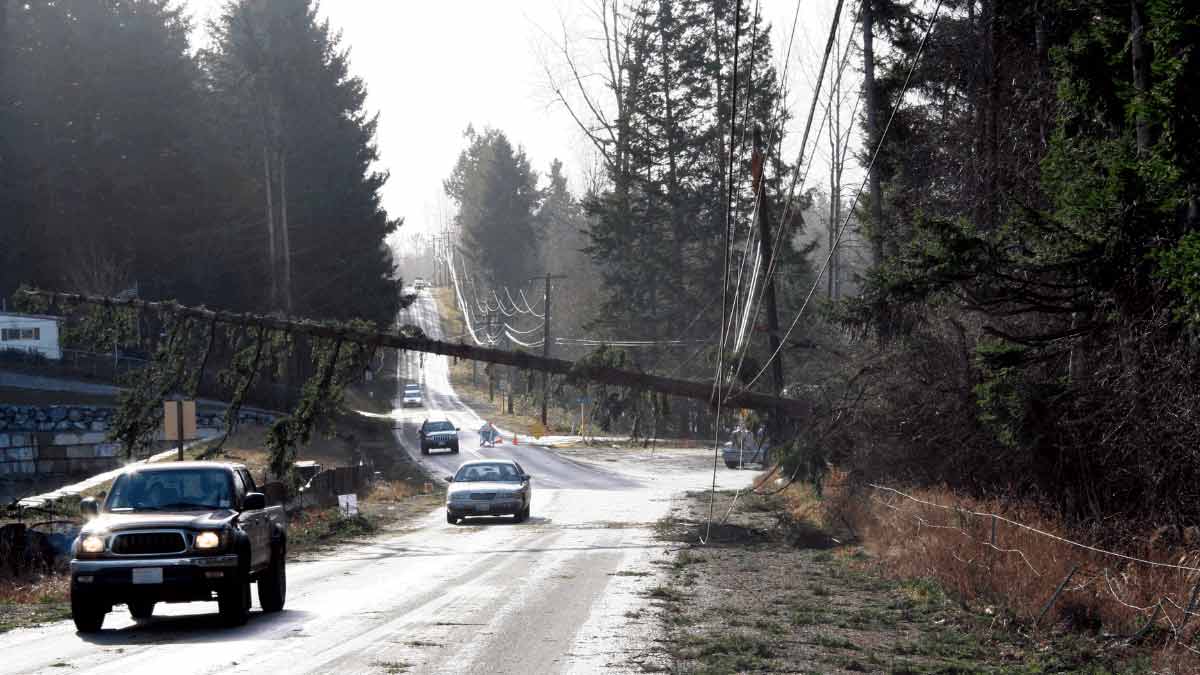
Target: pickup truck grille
[
  {"x": 148, "y": 543},
  {"x": 483, "y": 496}
]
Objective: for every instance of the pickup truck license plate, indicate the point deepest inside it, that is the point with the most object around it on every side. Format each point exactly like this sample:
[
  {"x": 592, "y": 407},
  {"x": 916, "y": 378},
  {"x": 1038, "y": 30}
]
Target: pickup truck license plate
[
  {"x": 147, "y": 575},
  {"x": 483, "y": 508}
]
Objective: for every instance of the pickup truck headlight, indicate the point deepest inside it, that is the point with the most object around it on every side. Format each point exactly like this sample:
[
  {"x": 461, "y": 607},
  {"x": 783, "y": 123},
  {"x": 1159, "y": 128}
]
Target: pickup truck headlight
[
  {"x": 206, "y": 541},
  {"x": 92, "y": 545}
]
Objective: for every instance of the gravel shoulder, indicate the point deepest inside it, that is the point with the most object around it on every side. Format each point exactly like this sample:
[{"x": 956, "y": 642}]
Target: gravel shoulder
[{"x": 771, "y": 595}]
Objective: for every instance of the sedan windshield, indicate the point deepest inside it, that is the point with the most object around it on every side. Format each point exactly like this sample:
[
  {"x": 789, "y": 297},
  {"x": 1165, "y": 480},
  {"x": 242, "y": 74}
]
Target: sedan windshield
[
  {"x": 498, "y": 472},
  {"x": 167, "y": 490}
]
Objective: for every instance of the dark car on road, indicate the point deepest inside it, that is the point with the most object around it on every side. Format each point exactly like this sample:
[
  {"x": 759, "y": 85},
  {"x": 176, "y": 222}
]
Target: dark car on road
[
  {"x": 438, "y": 434},
  {"x": 178, "y": 532},
  {"x": 488, "y": 487}
]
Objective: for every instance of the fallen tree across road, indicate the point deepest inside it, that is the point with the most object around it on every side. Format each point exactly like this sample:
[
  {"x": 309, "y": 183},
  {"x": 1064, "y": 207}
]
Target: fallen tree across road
[{"x": 412, "y": 339}]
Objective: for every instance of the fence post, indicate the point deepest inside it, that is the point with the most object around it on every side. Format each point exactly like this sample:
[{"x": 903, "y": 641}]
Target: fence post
[
  {"x": 1137, "y": 637},
  {"x": 1187, "y": 613},
  {"x": 1057, "y": 592}
]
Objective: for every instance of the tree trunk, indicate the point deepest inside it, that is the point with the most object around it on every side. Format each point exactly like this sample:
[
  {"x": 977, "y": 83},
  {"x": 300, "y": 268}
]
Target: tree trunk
[
  {"x": 677, "y": 226},
  {"x": 991, "y": 125},
  {"x": 878, "y": 233},
  {"x": 835, "y": 186},
  {"x": 285, "y": 236},
  {"x": 272, "y": 254},
  {"x": 1141, "y": 72}
]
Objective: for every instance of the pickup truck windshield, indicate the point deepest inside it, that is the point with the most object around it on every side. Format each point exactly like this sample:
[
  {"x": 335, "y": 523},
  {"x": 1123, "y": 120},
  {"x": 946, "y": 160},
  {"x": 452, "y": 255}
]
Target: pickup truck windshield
[{"x": 171, "y": 490}]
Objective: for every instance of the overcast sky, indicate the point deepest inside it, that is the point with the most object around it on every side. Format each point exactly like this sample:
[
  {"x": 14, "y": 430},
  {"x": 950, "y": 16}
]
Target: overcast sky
[{"x": 432, "y": 68}]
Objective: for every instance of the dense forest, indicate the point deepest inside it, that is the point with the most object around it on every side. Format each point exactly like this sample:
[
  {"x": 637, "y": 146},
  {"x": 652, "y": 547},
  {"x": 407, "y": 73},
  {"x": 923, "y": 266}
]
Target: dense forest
[
  {"x": 1025, "y": 319},
  {"x": 1031, "y": 311},
  {"x": 236, "y": 175}
]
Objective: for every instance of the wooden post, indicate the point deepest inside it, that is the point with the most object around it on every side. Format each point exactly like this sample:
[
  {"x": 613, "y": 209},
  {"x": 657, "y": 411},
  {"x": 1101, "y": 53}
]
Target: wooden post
[
  {"x": 1057, "y": 592},
  {"x": 1191, "y": 606},
  {"x": 179, "y": 425}
]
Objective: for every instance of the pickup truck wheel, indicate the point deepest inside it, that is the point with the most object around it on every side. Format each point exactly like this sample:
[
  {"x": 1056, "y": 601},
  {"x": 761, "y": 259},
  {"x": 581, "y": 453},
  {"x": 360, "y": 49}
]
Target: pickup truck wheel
[
  {"x": 88, "y": 615},
  {"x": 141, "y": 609},
  {"x": 233, "y": 601},
  {"x": 272, "y": 584}
]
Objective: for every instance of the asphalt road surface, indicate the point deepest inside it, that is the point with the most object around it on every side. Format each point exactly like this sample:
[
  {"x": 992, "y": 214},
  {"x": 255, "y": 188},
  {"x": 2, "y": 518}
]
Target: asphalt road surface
[{"x": 552, "y": 595}]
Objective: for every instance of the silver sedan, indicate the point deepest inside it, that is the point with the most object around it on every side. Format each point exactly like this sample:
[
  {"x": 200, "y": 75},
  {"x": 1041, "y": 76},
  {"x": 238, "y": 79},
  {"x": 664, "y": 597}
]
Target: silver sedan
[{"x": 488, "y": 487}]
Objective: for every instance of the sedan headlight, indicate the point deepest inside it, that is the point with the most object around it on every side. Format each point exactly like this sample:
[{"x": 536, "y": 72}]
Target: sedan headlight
[
  {"x": 206, "y": 541},
  {"x": 92, "y": 544}
]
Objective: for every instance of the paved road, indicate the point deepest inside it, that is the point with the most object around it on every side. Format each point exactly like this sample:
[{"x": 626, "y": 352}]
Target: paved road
[{"x": 555, "y": 594}]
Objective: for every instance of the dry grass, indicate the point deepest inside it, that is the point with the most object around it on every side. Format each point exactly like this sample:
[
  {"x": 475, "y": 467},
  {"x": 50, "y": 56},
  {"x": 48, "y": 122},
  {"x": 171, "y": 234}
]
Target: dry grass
[
  {"x": 390, "y": 491},
  {"x": 43, "y": 588},
  {"x": 1107, "y": 597}
]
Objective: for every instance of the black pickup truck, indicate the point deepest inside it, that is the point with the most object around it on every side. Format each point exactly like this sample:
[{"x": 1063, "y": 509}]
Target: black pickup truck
[{"x": 178, "y": 532}]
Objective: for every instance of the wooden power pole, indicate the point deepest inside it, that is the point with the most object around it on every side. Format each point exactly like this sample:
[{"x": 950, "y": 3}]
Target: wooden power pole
[
  {"x": 546, "y": 341},
  {"x": 410, "y": 338},
  {"x": 766, "y": 246}
]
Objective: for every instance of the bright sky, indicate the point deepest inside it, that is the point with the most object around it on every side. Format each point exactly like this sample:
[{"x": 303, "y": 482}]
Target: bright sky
[{"x": 432, "y": 68}]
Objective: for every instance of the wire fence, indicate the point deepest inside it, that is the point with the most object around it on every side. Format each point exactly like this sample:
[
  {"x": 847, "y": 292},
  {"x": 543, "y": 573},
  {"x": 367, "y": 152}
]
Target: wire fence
[{"x": 1150, "y": 590}]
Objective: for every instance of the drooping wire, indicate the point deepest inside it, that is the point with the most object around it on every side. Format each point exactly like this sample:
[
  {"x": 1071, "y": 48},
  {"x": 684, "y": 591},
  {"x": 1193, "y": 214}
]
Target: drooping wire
[
  {"x": 858, "y": 194},
  {"x": 720, "y": 374}
]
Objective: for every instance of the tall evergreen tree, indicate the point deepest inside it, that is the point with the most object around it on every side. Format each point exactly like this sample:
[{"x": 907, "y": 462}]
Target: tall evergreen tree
[
  {"x": 101, "y": 131},
  {"x": 497, "y": 197},
  {"x": 284, "y": 85},
  {"x": 656, "y": 235}
]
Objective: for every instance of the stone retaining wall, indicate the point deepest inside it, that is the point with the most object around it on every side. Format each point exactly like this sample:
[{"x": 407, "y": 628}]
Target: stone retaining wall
[{"x": 66, "y": 441}]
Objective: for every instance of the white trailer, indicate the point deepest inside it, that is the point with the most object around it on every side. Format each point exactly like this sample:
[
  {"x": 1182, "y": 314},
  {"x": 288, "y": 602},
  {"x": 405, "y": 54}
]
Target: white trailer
[{"x": 30, "y": 333}]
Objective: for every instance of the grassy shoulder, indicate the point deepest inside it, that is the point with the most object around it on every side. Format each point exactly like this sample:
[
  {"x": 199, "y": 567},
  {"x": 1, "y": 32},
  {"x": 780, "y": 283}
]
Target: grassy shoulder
[{"x": 773, "y": 593}]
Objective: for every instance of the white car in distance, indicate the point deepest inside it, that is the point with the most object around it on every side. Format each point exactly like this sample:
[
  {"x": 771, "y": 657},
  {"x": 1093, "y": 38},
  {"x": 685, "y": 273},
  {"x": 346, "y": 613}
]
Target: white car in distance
[{"x": 412, "y": 395}]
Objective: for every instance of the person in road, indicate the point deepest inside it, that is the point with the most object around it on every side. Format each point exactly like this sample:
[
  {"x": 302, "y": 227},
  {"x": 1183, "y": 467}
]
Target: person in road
[{"x": 487, "y": 435}]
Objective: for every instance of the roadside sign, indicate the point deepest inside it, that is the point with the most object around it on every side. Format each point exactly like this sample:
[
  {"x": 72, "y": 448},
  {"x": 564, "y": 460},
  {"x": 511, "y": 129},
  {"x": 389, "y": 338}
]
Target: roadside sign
[{"x": 172, "y": 411}]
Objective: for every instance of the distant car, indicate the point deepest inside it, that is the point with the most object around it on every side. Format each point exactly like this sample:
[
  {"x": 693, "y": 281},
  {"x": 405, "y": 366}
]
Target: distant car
[
  {"x": 420, "y": 283},
  {"x": 736, "y": 458},
  {"x": 408, "y": 291},
  {"x": 412, "y": 395},
  {"x": 438, "y": 434},
  {"x": 488, "y": 487}
]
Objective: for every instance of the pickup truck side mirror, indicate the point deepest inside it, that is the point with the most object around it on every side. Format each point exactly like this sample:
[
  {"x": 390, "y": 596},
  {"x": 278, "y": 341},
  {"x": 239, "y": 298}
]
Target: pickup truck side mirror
[
  {"x": 254, "y": 501},
  {"x": 89, "y": 508}
]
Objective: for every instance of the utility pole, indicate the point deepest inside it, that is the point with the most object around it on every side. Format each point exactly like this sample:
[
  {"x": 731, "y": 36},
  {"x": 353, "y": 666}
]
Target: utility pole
[
  {"x": 492, "y": 370},
  {"x": 546, "y": 340},
  {"x": 757, "y": 168}
]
